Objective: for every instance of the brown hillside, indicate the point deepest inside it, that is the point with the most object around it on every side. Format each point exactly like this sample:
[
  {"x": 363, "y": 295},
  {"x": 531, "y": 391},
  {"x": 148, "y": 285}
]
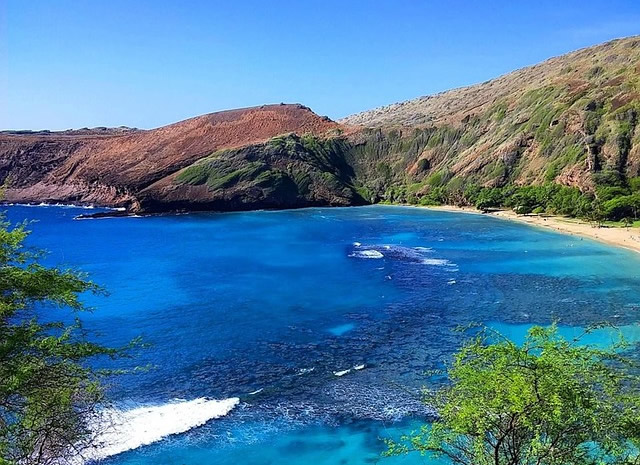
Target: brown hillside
[{"x": 110, "y": 167}]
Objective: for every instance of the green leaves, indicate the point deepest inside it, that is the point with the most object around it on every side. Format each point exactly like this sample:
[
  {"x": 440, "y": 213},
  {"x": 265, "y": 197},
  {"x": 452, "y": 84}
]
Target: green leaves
[
  {"x": 547, "y": 402},
  {"x": 47, "y": 390}
]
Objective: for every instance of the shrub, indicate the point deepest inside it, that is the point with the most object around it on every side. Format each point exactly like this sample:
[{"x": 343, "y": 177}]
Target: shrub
[{"x": 549, "y": 401}]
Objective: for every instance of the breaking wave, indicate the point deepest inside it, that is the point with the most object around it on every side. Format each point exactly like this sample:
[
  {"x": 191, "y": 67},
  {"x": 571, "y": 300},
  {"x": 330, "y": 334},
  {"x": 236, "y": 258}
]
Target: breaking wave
[{"x": 117, "y": 431}]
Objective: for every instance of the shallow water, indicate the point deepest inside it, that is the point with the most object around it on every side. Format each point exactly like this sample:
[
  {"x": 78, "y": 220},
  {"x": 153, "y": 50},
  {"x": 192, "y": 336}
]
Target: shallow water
[{"x": 271, "y": 307}]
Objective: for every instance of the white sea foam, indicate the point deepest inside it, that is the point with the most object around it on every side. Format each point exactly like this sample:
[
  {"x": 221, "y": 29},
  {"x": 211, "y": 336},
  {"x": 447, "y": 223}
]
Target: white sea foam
[
  {"x": 357, "y": 244},
  {"x": 359, "y": 367},
  {"x": 93, "y": 218},
  {"x": 391, "y": 252},
  {"x": 117, "y": 431},
  {"x": 304, "y": 371},
  {"x": 366, "y": 254},
  {"x": 436, "y": 262},
  {"x": 64, "y": 205},
  {"x": 257, "y": 391},
  {"x": 342, "y": 373},
  {"x": 44, "y": 204}
]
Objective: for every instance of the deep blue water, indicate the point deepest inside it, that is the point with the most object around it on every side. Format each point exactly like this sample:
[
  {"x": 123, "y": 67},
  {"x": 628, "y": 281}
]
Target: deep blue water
[{"x": 277, "y": 302}]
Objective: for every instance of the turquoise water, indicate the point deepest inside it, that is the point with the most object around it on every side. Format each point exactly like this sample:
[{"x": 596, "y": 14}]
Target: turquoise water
[{"x": 271, "y": 306}]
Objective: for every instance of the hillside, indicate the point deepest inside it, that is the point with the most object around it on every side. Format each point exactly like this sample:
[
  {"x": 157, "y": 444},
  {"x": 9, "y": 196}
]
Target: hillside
[
  {"x": 132, "y": 168},
  {"x": 570, "y": 121}
]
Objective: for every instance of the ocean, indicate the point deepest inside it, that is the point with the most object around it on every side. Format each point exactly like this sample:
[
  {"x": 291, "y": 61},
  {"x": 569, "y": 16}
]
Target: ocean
[{"x": 304, "y": 336}]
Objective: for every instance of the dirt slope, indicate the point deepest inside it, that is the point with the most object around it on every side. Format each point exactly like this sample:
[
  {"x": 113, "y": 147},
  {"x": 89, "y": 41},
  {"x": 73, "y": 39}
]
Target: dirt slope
[{"x": 110, "y": 167}]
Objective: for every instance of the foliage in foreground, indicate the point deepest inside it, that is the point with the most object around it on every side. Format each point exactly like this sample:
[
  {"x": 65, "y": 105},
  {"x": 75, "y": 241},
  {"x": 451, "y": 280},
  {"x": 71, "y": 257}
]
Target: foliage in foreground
[
  {"x": 47, "y": 391},
  {"x": 547, "y": 402}
]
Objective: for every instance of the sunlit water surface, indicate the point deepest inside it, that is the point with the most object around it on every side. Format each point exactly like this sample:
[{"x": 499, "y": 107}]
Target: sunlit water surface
[{"x": 271, "y": 307}]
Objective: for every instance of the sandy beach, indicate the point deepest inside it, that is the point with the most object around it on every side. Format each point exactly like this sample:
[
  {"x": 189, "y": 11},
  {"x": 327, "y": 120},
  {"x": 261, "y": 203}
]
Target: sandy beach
[{"x": 628, "y": 238}]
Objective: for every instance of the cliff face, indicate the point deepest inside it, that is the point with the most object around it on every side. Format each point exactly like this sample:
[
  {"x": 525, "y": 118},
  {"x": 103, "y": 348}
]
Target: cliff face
[{"x": 571, "y": 120}]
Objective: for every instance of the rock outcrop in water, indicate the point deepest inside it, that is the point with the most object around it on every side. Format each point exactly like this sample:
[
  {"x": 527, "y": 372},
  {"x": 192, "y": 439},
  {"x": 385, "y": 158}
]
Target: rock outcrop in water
[{"x": 571, "y": 120}]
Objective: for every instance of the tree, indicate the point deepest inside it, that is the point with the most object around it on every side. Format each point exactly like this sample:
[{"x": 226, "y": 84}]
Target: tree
[
  {"x": 48, "y": 392},
  {"x": 547, "y": 402},
  {"x": 489, "y": 198},
  {"x": 526, "y": 199},
  {"x": 619, "y": 207},
  {"x": 569, "y": 201},
  {"x": 596, "y": 213}
]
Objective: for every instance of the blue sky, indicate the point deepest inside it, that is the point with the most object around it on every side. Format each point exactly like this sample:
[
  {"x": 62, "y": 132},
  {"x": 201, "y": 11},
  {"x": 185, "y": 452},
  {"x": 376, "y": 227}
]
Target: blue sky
[{"x": 80, "y": 63}]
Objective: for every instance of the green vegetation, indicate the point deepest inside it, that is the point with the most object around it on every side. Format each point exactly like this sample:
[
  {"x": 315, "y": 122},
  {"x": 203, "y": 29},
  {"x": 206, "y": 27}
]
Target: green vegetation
[
  {"x": 286, "y": 168},
  {"x": 564, "y": 130},
  {"x": 47, "y": 390},
  {"x": 218, "y": 173},
  {"x": 578, "y": 124},
  {"x": 607, "y": 204},
  {"x": 377, "y": 170},
  {"x": 547, "y": 402}
]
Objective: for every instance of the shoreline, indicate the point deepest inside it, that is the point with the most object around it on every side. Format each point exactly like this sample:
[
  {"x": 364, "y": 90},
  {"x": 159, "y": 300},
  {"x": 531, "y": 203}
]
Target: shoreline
[{"x": 627, "y": 238}]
